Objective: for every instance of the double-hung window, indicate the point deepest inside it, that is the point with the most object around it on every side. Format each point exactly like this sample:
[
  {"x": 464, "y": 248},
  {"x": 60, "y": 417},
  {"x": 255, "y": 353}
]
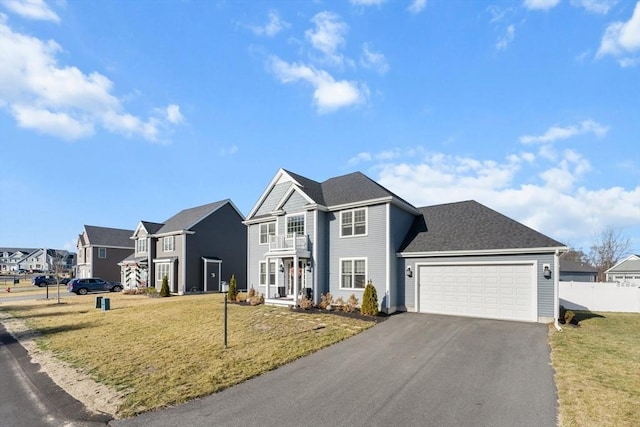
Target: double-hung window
[
  {"x": 163, "y": 269},
  {"x": 102, "y": 252},
  {"x": 353, "y": 222},
  {"x": 264, "y": 274},
  {"x": 267, "y": 229},
  {"x": 141, "y": 245},
  {"x": 353, "y": 273},
  {"x": 295, "y": 225},
  {"x": 168, "y": 243}
]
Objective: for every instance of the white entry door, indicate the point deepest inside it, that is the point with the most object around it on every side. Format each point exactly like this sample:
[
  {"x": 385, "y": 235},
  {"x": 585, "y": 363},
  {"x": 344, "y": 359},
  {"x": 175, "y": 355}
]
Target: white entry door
[{"x": 496, "y": 291}]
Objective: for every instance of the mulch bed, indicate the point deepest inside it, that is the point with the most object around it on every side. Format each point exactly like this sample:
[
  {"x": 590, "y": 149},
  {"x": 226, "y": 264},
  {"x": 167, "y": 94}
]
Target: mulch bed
[{"x": 353, "y": 315}]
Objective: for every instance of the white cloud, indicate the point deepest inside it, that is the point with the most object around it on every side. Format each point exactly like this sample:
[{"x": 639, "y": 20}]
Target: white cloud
[
  {"x": 595, "y": 6},
  {"x": 328, "y": 36},
  {"x": 540, "y": 4},
  {"x": 32, "y": 9},
  {"x": 506, "y": 39},
  {"x": 272, "y": 27},
  {"x": 360, "y": 157},
  {"x": 556, "y": 133},
  {"x": 622, "y": 40},
  {"x": 229, "y": 151},
  {"x": 417, "y": 6},
  {"x": 329, "y": 95},
  {"x": 550, "y": 198},
  {"x": 373, "y": 60},
  {"x": 63, "y": 101}
]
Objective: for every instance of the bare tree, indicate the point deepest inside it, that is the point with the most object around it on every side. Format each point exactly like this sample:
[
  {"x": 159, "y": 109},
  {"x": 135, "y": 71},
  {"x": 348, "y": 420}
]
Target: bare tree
[
  {"x": 609, "y": 247},
  {"x": 575, "y": 255}
]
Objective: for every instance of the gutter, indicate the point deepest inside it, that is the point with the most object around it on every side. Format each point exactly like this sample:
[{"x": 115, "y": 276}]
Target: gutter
[{"x": 556, "y": 285}]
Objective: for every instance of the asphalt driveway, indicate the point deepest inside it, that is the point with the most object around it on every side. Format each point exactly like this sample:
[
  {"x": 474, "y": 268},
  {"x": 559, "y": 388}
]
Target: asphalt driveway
[{"x": 411, "y": 370}]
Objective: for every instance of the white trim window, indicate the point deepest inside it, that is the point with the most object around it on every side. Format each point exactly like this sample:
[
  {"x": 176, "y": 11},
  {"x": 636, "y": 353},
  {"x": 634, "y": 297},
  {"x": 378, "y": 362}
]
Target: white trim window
[
  {"x": 271, "y": 273},
  {"x": 141, "y": 245},
  {"x": 267, "y": 230},
  {"x": 102, "y": 252},
  {"x": 163, "y": 269},
  {"x": 353, "y": 273},
  {"x": 295, "y": 225},
  {"x": 353, "y": 222},
  {"x": 168, "y": 243}
]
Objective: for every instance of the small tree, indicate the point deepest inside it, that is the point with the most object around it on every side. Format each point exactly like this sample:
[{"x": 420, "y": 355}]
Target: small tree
[
  {"x": 369, "y": 300},
  {"x": 164, "y": 291},
  {"x": 233, "y": 289}
]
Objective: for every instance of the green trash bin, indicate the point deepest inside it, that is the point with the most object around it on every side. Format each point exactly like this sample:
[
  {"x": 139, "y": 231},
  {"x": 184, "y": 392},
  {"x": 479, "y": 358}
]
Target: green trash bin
[
  {"x": 98, "y": 302},
  {"x": 16, "y": 281},
  {"x": 106, "y": 304}
]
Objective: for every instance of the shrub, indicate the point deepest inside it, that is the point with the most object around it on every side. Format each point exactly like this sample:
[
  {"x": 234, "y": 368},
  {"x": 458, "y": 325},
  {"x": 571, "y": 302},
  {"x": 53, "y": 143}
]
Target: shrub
[
  {"x": 241, "y": 297},
  {"x": 164, "y": 291},
  {"x": 369, "y": 300},
  {"x": 151, "y": 291},
  {"x": 306, "y": 303},
  {"x": 568, "y": 316},
  {"x": 326, "y": 300},
  {"x": 256, "y": 299},
  {"x": 338, "y": 303},
  {"x": 233, "y": 289},
  {"x": 252, "y": 293},
  {"x": 351, "y": 305},
  {"x": 561, "y": 314}
]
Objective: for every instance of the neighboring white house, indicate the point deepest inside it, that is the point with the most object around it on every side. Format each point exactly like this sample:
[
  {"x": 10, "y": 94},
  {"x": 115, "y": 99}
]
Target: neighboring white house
[{"x": 626, "y": 272}]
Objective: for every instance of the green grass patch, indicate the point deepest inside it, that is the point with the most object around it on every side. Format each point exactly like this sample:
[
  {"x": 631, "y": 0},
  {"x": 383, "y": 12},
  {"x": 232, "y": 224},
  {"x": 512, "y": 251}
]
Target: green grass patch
[
  {"x": 163, "y": 351},
  {"x": 597, "y": 369}
]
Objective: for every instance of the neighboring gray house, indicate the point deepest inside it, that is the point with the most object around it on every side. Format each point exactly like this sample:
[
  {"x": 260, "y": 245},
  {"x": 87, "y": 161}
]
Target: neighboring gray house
[
  {"x": 571, "y": 271},
  {"x": 626, "y": 272},
  {"x": 306, "y": 237},
  {"x": 11, "y": 258},
  {"x": 196, "y": 249},
  {"x": 14, "y": 259},
  {"x": 99, "y": 251}
]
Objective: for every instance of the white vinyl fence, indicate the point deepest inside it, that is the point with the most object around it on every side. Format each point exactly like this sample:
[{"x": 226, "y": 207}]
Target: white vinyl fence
[{"x": 600, "y": 296}]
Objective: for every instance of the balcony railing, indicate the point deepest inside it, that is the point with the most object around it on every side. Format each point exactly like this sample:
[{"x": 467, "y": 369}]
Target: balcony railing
[{"x": 288, "y": 243}]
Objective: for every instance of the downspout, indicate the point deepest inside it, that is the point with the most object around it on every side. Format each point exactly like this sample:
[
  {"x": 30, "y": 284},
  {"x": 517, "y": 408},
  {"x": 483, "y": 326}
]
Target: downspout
[{"x": 556, "y": 286}]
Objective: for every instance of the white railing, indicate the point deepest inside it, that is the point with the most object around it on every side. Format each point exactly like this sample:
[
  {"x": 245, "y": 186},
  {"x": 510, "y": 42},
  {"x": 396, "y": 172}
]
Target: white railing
[{"x": 288, "y": 243}]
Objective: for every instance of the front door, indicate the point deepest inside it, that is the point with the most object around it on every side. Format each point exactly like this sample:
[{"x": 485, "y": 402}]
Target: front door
[{"x": 289, "y": 274}]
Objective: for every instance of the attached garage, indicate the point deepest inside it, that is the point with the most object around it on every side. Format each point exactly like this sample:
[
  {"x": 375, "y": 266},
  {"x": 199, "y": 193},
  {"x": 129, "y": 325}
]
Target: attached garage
[{"x": 491, "y": 290}]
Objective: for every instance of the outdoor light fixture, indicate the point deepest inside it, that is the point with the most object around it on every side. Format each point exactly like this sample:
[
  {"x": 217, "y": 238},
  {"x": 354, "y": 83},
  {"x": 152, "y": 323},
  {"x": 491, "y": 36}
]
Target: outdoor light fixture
[
  {"x": 409, "y": 272},
  {"x": 546, "y": 271},
  {"x": 281, "y": 268},
  {"x": 309, "y": 266}
]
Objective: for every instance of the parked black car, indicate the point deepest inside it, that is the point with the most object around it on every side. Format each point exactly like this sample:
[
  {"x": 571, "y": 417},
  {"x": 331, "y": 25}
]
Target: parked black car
[
  {"x": 92, "y": 284},
  {"x": 41, "y": 281}
]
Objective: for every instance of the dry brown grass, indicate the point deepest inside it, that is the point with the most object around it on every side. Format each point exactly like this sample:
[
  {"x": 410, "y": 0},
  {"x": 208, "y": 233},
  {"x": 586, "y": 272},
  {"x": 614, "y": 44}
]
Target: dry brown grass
[
  {"x": 162, "y": 351},
  {"x": 598, "y": 370}
]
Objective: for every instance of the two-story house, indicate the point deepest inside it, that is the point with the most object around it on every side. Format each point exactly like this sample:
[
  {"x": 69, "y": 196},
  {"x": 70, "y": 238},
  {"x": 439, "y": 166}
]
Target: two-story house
[
  {"x": 196, "y": 249},
  {"x": 100, "y": 249},
  {"x": 11, "y": 258},
  {"x": 310, "y": 238}
]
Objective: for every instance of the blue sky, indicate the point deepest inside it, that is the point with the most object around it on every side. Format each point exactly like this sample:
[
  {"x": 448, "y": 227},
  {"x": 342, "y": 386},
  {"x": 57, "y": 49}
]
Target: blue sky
[{"x": 112, "y": 112}]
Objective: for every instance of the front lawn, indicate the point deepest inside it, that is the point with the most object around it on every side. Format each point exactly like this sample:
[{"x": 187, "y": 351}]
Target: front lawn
[
  {"x": 163, "y": 351},
  {"x": 598, "y": 370}
]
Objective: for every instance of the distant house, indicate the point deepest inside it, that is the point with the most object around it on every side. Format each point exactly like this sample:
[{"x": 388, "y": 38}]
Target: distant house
[
  {"x": 307, "y": 238},
  {"x": 196, "y": 250},
  {"x": 11, "y": 258},
  {"x": 15, "y": 259},
  {"x": 99, "y": 251},
  {"x": 626, "y": 272},
  {"x": 571, "y": 271}
]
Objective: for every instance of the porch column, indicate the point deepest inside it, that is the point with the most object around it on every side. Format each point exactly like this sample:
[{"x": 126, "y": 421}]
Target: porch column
[
  {"x": 266, "y": 279},
  {"x": 295, "y": 280}
]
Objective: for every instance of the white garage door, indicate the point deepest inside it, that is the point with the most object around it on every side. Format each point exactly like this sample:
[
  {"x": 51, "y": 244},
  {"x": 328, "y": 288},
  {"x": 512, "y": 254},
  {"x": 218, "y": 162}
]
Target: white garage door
[{"x": 496, "y": 291}]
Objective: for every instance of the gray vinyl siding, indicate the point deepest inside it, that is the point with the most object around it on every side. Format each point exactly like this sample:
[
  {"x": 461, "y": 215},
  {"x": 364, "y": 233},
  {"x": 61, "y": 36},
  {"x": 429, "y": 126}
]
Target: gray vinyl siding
[
  {"x": 272, "y": 200},
  {"x": 578, "y": 276},
  {"x": 295, "y": 203},
  {"x": 107, "y": 268},
  {"x": 400, "y": 222},
  {"x": 545, "y": 286},
  {"x": 321, "y": 260},
  {"x": 371, "y": 247},
  {"x": 221, "y": 235}
]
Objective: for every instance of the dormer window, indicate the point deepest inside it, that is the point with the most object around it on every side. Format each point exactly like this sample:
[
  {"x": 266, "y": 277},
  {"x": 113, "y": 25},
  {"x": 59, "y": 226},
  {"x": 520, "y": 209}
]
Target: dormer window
[{"x": 353, "y": 222}]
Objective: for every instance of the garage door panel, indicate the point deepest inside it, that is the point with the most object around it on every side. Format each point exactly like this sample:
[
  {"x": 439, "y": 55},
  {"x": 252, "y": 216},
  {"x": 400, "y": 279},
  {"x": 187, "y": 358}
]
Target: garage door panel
[{"x": 504, "y": 291}]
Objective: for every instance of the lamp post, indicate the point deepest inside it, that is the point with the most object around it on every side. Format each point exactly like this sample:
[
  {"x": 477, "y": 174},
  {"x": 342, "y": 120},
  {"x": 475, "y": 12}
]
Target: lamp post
[{"x": 225, "y": 289}]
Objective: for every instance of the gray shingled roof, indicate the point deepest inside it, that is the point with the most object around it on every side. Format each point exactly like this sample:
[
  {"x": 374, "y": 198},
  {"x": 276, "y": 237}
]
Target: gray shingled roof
[
  {"x": 351, "y": 188},
  {"x": 628, "y": 265},
  {"x": 187, "y": 218},
  {"x": 109, "y": 237},
  {"x": 151, "y": 227},
  {"x": 568, "y": 266},
  {"x": 469, "y": 226}
]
